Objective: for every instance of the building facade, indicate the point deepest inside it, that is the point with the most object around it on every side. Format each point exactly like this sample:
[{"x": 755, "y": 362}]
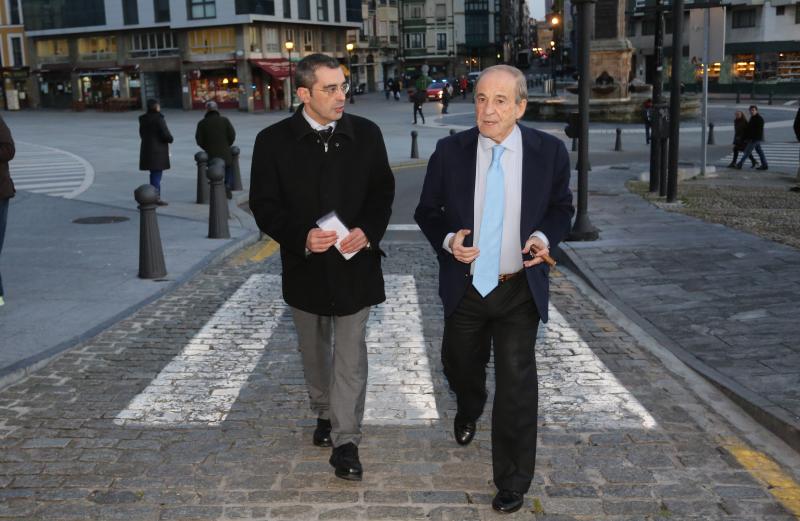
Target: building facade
[
  {"x": 15, "y": 85},
  {"x": 375, "y": 58},
  {"x": 118, "y": 53},
  {"x": 762, "y": 48}
]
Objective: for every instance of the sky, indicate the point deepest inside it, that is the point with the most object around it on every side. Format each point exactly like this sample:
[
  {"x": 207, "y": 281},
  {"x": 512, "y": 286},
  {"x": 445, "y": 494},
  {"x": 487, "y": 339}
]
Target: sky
[{"x": 536, "y": 8}]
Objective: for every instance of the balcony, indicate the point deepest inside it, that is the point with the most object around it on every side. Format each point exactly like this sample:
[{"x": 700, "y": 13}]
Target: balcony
[
  {"x": 54, "y": 58},
  {"x": 98, "y": 56},
  {"x": 153, "y": 53}
]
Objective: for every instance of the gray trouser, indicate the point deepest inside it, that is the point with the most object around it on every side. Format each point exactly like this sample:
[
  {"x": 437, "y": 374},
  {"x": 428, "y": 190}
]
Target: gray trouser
[{"x": 336, "y": 374}]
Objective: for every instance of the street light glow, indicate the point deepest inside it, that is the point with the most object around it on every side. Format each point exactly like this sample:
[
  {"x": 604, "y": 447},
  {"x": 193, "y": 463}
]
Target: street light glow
[
  {"x": 289, "y": 45},
  {"x": 350, "y": 47}
]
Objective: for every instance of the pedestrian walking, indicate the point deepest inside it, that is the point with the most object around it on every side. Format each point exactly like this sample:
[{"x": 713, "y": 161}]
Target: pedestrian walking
[
  {"x": 447, "y": 93},
  {"x": 462, "y": 84},
  {"x": 320, "y": 165},
  {"x": 396, "y": 89},
  {"x": 740, "y": 139},
  {"x": 388, "y": 88},
  {"x": 215, "y": 135},
  {"x": 7, "y": 190},
  {"x": 154, "y": 149},
  {"x": 647, "y": 117},
  {"x": 418, "y": 99},
  {"x": 797, "y": 135},
  {"x": 491, "y": 234},
  {"x": 754, "y": 136}
]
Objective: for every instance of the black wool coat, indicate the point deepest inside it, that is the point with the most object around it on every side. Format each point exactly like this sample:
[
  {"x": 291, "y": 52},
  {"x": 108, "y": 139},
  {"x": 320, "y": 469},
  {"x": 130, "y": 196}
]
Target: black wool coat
[
  {"x": 755, "y": 128},
  {"x": 294, "y": 181},
  {"x": 7, "y": 152},
  {"x": 215, "y": 135},
  {"x": 154, "y": 152}
]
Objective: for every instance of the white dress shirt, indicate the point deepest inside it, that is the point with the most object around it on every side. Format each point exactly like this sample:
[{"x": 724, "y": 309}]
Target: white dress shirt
[
  {"x": 511, "y": 162},
  {"x": 316, "y": 125}
]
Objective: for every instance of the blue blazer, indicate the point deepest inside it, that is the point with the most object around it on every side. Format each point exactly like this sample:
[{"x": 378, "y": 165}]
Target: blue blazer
[{"x": 447, "y": 205}]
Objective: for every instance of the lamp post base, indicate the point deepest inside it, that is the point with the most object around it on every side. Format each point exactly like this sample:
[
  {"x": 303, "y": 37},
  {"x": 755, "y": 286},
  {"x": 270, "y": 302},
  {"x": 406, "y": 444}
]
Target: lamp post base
[{"x": 583, "y": 230}]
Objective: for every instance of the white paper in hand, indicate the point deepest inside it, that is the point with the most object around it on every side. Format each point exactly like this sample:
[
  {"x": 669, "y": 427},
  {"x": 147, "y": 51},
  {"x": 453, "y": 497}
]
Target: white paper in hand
[{"x": 331, "y": 222}]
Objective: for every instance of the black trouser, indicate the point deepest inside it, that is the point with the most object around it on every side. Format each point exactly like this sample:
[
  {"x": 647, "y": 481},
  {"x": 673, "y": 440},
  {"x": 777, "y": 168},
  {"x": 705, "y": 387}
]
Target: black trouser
[
  {"x": 418, "y": 108},
  {"x": 508, "y": 319}
]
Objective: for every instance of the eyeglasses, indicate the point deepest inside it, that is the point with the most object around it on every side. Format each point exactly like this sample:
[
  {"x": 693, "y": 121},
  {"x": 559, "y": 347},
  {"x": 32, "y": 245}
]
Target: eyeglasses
[{"x": 331, "y": 90}]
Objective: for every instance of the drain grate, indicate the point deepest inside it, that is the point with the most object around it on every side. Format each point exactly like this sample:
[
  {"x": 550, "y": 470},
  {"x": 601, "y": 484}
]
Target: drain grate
[{"x": 102, "y": 219}]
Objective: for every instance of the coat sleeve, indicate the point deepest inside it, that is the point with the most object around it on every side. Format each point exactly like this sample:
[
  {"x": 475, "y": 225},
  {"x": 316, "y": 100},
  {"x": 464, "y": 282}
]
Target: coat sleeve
[
  {"x": 163, "y": 131},
  {"x": 266, "y": 201},
  {"x": 198, "y": 135},
  {"x": 7, "y": 149},
  {"x": 231, "y": 132},
  {"x": 558, "y": 217},
  {"x": 797, "y": 125},
  {"x": 374, "y": 216},
  {"x": 430, "y": 212}
]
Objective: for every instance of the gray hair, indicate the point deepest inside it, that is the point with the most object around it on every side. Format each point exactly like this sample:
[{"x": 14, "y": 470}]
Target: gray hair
[
  {"x": 304, "y": 75},
  {"x": 519, "y": 78},
  {"x": 211, "y": 105}
]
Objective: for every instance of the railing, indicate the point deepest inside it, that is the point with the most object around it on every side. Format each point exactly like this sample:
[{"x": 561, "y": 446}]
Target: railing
[
  {"x": 54, "y": 58},
  {"x": 98, "y": 56},
  {"x": 153, "y": 53}
]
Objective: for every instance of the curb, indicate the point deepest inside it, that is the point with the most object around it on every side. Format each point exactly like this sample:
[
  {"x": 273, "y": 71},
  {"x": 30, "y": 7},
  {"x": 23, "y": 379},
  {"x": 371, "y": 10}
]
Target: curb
[
  {"x": 15, "y": 372},
  {"x": 775, "y": 419}
]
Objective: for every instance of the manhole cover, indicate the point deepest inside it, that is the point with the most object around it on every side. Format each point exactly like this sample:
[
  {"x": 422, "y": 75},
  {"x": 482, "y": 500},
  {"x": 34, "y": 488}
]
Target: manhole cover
[{"x": 102, "y": 219}]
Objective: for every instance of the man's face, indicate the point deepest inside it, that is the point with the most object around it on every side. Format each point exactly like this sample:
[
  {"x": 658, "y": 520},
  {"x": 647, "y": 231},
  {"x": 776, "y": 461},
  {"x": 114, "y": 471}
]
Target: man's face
[
  {"x": 753, "y": 111},
  {"x": 496, "y": 109},
  {"x": 321, "y": 105}
]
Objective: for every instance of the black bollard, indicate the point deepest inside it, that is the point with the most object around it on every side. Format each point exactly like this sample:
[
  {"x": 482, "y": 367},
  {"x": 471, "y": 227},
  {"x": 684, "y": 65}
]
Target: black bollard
[
  {"x": 769, "y": 101},
  {"x": 414, "y": 151},
  {"x": 237, "y": 173},
  {"x": 151, "y": 255},
  {"x": 574, "y": 144},
  {"x": 738, "y": 95},
  {"x": 218, "y": 209},
  {"x": 710, "y": 133},
  {"x": 618, "y": 142},
  {"x": 452, "y": 132},
  {"x": 202, "y": 185}
]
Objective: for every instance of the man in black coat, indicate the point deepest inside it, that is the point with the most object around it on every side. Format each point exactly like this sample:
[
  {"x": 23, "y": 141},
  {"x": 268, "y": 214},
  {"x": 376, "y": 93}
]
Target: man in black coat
[
  {"x": 754, "y": 136},
  {"x": 154, "y": 150},
  {"x": 215, "y": 135},
  {"x": 316, "y": 162},
  {"x": 797, "y": 135},
  {"x": 7, "y": 191}
]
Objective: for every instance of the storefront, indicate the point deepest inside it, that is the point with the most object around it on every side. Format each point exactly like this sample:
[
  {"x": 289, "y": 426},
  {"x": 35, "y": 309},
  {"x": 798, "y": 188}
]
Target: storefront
[
  {"x": 55, "y": 87},
  {"x": 269, "y": 77},
  {"x": 15, "y": 88},
  {"x": 99, "y": 87},
  {"x": 220, "y": 85}
]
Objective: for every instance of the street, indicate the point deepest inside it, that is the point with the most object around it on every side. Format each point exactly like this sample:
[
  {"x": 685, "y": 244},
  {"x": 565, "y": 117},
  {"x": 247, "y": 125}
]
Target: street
[{"x": 184, "y": 398}]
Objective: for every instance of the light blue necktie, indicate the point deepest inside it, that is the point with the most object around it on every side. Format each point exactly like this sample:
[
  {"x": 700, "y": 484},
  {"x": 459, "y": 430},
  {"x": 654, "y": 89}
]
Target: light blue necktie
[{"x": 487, "y": 265}]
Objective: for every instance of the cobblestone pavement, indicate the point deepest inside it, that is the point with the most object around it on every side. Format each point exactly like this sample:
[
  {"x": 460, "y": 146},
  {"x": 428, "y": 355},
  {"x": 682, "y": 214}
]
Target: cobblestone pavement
[{"x": 195, "y": 409}]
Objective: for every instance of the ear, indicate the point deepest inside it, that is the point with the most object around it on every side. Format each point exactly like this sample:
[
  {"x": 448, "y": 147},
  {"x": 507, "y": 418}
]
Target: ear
[
  {"x": 304, "y": 94},
  {"x": 521, "y": 106}
]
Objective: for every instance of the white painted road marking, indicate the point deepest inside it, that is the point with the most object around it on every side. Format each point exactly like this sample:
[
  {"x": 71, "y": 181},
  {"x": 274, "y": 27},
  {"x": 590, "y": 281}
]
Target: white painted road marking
[
  {"x": 50, "y": 171},
  {"x": 777, "y": 154}
]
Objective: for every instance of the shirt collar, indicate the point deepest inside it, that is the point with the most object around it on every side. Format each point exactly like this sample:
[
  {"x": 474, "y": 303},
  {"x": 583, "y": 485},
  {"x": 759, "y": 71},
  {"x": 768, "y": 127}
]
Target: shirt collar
[
  {"x": 512, "y": 142},
  {"x": 315, "y": 125}
]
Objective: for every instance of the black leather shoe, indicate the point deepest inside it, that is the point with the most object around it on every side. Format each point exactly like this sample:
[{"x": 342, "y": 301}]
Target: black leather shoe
[
  {"x": 762, "y": 167},
  {"x": 508, "y": 501},
  {"x": 322, "y": 434},
  {"x": 464, "y": 432},
  {"x": 345, "y": 462}
]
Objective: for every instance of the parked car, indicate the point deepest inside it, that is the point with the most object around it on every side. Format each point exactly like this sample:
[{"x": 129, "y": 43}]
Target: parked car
[{"x": 434, "y": 90}]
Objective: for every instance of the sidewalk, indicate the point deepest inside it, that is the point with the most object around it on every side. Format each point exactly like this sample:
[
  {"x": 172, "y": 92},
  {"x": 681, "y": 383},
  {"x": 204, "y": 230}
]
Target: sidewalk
[{"x": 724, "y": 301}]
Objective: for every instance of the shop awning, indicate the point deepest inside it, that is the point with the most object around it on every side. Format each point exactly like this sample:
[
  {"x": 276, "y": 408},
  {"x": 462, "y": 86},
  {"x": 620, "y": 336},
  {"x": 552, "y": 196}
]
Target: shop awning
[{"x": 278, "y": 68}]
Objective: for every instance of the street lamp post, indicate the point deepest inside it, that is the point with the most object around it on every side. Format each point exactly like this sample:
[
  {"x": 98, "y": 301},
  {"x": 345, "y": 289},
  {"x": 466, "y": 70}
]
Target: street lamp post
[
  {"x": 554, "y": 21},
  {"x": 350, "y": 46},
  {"x": 289, "y": 47}
]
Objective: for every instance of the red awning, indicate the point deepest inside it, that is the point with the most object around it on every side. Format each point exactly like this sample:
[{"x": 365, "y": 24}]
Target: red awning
[{"x": 278, "y": 68}]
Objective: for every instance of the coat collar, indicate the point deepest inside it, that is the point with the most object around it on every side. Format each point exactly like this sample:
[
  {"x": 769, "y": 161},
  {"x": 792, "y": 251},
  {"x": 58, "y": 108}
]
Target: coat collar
[{"x": 301, "y": 128}]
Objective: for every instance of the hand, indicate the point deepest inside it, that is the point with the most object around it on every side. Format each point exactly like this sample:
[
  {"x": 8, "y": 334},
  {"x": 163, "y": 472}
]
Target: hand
[
  {"x": 537, "y": 249},
  {"x": 355, "y": 241},
  {"x": 319, "y": 240},
  {"x": 460, "y": 252}
]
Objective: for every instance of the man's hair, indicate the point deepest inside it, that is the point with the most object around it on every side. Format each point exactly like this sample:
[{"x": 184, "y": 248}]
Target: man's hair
[
  {"x": 522, "y": 85},
  {"x": 152, "y": 104},
  {"x": 304, "y": 75},
  {"x": 753, "y": 107},
  {"x": 211, "y": 105}
]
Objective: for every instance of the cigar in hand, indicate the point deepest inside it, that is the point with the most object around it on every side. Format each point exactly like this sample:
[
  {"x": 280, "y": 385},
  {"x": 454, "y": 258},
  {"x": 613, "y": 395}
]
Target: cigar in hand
[{"x": 550, "y": 261}]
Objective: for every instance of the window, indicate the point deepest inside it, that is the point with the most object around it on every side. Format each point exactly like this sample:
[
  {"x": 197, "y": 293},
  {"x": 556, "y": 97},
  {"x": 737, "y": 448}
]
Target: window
[
  {"x": 441, "y": 41},
  {"x": 50, "y": 51},
  {"x": 328, "y": 41},
  {"x": 272, "y": 41},
  {"x": 415, "y": 40},
  {"x": 353, "y": 10},
  {"x": 61, "y": 14},
  {"x": 304, "y": 9},
  {"x": 308, "y": 40},
  {"x": 744, "y": 18},
  {"x": 130, "y": 12},
  {"x": 255, "y": 7},
  {"x": 648, "y": 27},
  {"x": 13, "y": 12},
  {"x": 97, "y": 48},
  {"x": 780, "y": 10},
  {"x": 797, "y": 14},
  {"x": 16, "y": 52},
  {"x": 161, "y": 10},
  {"x": 476, "y": 6},
  {"x": 337, "y": 17},
  {"x": 441, "y": 12},
  {"x": 414, "y": 11},
  {"x": 322, "y": 10},
  {"x": 290, "y": 35},
  {"x": 212, "y": 41},
  {"x": 150, "y": 45},
  {"x": 199, "y": 9}
]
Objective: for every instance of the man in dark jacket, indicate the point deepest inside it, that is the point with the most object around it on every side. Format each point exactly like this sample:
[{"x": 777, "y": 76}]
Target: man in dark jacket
[
  {"x": 7, "y": 191},
  {"x": 755, "y": 135},
  {"x": 316, "y": 162},
  {"x": 154, "y": 151},
  {"x": 797, "y": 135},
  {"x": 215, "y": 135}
]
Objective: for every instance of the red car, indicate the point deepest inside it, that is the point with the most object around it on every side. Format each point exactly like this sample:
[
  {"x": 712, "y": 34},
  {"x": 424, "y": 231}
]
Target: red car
[{"x": 435, "y": 90}]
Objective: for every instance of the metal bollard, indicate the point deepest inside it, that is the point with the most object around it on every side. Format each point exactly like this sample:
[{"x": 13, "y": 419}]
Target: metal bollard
[
  {"x": 738, "y": 95},
  {"x": 218, "y": 209},
  {"x": 453, "y": 132},
  {"x": 151, "y": 255},
  {"x": 574, "y": 144},
  {"x": 618, "y": 142},
  {"x": 710, "y": 134},
  {"x": 769, "y": 101},
  {"x": 237, "y": 173},
  {"x": 202, "y": 185},
  {"x": 414, "y": 151}
]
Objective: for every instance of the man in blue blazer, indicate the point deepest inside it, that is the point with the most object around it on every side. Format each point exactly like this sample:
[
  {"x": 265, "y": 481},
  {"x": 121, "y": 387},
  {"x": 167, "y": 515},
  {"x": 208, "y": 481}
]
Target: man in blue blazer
[{"x": 496, "y": 198}]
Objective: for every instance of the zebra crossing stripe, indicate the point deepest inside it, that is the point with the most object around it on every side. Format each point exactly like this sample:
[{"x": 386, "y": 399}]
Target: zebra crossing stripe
[
  {"x": 777, "y": 154},
  {"x": 51, "y": 171}
]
